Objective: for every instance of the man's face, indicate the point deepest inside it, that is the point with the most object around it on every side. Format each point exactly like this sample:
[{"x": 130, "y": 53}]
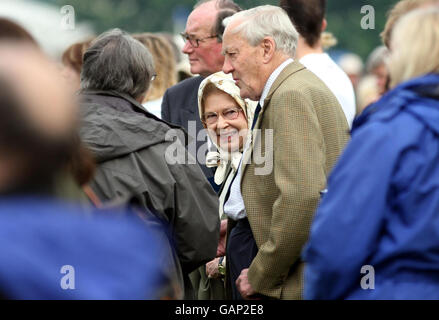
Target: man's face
[
  {"x": 207, "y": 58},
  {"x": 244, "y": 62}
]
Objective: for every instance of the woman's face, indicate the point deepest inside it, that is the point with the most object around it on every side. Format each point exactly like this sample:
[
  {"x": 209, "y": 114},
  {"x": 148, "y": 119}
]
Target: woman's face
[{"x": 229, "y": 133}]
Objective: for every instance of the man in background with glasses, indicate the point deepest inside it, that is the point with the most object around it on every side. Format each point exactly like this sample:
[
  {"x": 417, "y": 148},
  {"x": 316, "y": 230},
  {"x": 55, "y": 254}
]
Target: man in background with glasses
[{"x": 203, "y": 37}]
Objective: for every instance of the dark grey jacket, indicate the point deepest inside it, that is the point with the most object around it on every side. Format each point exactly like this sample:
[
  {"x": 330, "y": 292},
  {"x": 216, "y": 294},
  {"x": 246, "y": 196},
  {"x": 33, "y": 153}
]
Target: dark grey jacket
[{"x": 129, "y": 145}]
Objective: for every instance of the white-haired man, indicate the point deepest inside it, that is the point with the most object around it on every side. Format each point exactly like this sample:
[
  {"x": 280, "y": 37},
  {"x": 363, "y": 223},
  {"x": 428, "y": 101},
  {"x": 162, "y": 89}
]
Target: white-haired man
[{"x": 309, "y": 131}]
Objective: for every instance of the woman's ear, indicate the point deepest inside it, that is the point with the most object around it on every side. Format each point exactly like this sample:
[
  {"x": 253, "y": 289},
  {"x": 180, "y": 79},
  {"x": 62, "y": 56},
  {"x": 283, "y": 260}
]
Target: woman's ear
[{"x": 269, "y": 47}]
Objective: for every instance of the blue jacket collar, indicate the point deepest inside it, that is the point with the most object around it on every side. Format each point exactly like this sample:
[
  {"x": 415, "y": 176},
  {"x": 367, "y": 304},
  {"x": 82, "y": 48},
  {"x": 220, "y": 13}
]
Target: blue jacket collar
[{"x": 418, "y": 97}]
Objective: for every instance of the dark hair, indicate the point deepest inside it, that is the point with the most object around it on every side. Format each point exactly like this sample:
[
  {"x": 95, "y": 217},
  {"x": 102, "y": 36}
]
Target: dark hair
[
  {"x": 10, "y": 30},
  {"x": 219, "y": 27},
  {"x": 307, "y": 16}
]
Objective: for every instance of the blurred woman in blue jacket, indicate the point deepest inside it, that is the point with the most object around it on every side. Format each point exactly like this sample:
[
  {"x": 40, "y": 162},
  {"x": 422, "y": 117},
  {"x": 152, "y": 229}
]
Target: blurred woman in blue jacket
[{"x": 382, "y": 205}]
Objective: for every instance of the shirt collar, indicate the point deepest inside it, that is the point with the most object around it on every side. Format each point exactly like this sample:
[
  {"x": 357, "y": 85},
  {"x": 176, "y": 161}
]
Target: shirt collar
[{"x": 273, "y": 78}]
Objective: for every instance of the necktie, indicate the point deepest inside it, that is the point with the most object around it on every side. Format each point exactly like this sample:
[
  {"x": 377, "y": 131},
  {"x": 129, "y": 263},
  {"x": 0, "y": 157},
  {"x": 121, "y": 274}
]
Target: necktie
[{"x": 258, "y": 109}]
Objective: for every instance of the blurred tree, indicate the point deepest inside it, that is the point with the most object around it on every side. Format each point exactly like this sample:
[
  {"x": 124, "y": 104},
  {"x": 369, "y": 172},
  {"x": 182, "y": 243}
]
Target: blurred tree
[
  {"x": 344, "y": 17},
  {"x": 344, "y": 21}
]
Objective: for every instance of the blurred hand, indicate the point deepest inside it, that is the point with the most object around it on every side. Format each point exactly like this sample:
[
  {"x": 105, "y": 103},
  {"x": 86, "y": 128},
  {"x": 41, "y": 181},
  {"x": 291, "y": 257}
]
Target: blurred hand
[
  {"x": 212, "y": 268},
  {"x": 221, "y": 250},
  {"x": 244, "y": 287}
]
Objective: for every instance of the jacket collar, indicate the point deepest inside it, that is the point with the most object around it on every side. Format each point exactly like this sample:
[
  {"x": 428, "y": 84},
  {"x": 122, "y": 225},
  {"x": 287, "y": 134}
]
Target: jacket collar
[
  {"x": 290, "y": 69},
  {"x": 112, "y": 93},
  {"x": 134, "y": 103},
  {"x": 418, "y": 97}
]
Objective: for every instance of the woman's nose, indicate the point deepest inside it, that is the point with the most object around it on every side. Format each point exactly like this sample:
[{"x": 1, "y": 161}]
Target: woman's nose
[{"x": 222, "y": 123}]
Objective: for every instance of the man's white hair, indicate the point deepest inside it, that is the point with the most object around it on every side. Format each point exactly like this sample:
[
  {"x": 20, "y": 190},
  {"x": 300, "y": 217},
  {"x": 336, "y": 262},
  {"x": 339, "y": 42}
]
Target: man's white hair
[{"x": 266, "y": 21}]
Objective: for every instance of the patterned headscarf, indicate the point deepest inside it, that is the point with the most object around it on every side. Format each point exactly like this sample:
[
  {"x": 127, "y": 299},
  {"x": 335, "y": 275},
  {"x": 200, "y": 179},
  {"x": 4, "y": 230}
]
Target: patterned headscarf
[{"x": 221, "y": 158}]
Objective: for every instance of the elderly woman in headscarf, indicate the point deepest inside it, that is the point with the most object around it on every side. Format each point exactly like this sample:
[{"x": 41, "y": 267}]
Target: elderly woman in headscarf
[{"x": 227, "y": 118}]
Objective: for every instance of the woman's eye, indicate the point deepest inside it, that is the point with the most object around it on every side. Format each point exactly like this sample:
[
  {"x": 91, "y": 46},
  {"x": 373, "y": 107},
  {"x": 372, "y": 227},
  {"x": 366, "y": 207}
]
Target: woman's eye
[
  {"x": 230, "y": 113},
  {"x": 210, "y": 116}
]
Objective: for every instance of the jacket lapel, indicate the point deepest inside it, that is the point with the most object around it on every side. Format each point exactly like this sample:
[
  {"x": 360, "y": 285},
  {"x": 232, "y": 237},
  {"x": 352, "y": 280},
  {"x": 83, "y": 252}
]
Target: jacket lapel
[{"x": 290, "y": 69}]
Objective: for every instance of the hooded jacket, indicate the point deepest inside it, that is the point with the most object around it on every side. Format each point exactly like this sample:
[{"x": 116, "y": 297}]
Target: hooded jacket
[
  {"x": 376, "y": 232},
  {"x": 130, "y": 147}
]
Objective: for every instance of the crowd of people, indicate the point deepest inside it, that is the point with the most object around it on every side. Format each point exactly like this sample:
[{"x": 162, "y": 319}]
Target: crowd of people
[{"x": 269, "y": 172}]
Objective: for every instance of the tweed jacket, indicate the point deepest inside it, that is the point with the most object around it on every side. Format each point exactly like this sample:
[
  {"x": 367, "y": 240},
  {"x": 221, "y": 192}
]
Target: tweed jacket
[{"x": 308, "y": 130}]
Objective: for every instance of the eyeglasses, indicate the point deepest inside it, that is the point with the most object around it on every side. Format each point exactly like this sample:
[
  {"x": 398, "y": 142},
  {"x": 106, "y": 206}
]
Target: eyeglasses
[
  {"x": 153, "y": 77},
  {"x": 194, "y": 41},
  {"x": 210, "y": 118}
]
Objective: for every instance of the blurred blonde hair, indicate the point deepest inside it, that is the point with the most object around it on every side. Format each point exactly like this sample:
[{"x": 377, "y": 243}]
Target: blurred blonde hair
[
  {"x": 396, "y": 12},
  {"x": 415, "y": 43},
  {"x": 164, "y": 62},
  {"x": 328, "y": 40},
  {"x": 367, "y": 92}
]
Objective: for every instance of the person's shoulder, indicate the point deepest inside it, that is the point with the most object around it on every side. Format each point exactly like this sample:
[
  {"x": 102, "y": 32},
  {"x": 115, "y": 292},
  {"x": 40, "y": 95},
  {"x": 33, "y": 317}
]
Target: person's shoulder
[
  {"x": 303, "y": 83},
  {"x": 389, "y": 127},
  {"x": 185, "y": 85},
  {"x": 298, "y": 77}
]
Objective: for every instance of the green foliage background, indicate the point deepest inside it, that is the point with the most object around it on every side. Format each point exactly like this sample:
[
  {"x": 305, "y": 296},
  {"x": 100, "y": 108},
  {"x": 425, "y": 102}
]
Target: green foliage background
[{"x": 343, "y": 16}]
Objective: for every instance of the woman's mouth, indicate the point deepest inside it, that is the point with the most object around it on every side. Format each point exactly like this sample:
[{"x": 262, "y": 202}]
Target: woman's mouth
[{"x": 227, "y": 137}]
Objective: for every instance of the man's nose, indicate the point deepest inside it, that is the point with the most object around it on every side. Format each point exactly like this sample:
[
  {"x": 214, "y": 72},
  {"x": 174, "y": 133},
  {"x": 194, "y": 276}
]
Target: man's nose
[
  {"x": 187, "y": 48},
  {"x": 227, "y": 66}
]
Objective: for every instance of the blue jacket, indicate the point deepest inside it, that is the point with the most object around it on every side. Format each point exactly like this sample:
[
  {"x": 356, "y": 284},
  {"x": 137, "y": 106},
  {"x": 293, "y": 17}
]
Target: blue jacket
[
  {"x": 382, "y": 205},
  {"x": 50, "y": 250}
]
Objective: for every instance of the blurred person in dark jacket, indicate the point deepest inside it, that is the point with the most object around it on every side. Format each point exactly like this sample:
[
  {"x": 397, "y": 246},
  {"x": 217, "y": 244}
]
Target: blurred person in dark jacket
[{"x": 133, "y": 150}]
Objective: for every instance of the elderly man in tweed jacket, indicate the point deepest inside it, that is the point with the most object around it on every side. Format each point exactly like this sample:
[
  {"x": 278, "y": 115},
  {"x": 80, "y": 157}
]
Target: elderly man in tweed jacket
[{"x": 300, "y": 132}]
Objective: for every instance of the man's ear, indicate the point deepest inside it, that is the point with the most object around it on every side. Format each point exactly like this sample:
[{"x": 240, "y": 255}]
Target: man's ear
[
  {"x": 324, "y": 25},
  {"x": 268, "y": 48}
]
